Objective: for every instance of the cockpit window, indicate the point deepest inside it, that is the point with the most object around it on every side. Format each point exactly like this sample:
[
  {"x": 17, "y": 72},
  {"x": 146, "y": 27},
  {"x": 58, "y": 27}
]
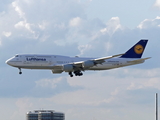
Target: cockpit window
[{"x": 16, "y": 56}]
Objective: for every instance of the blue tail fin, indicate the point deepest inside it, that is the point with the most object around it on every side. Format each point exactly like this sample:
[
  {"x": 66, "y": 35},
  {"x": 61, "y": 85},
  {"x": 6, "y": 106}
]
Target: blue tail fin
[{"x": 136, "y": 51}]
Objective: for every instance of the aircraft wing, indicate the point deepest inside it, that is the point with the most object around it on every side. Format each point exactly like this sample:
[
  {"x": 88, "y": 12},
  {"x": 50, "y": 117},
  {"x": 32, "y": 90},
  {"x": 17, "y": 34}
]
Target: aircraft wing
[
  {"x": 94, "y": 61},
  {"x": 101, "y": 60},
  {"x": 82, "y": 65}
]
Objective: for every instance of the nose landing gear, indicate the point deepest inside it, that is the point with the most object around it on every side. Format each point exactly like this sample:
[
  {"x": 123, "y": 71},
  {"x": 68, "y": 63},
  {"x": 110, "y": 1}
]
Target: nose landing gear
[{"x": 20, "y": 72}]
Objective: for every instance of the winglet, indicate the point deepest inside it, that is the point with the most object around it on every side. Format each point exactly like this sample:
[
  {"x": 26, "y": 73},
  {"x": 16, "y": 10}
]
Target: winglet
[{"x": 136, "y": 51}]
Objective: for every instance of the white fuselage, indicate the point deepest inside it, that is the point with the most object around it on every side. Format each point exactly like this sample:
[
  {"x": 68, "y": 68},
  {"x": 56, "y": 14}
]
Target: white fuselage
[{"x": 35, "y": 61}]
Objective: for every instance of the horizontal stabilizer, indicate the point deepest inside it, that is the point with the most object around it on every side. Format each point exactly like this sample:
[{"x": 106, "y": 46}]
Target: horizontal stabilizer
[{"x": 139, "y": 60}]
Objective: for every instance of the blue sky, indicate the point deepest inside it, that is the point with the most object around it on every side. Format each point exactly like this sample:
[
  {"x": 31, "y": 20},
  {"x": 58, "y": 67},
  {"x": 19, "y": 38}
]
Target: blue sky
[
  {"x": 131, "y": 13},
  {"x": 87, "y": 28}
]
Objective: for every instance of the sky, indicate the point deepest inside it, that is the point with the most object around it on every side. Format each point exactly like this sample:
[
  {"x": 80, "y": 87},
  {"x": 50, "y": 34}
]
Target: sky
[{"x": 87, "y": 28}]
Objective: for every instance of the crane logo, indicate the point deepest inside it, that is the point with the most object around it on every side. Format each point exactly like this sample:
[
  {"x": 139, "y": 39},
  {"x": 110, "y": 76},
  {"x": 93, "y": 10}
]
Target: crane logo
[{"x": 138, "y": 49}]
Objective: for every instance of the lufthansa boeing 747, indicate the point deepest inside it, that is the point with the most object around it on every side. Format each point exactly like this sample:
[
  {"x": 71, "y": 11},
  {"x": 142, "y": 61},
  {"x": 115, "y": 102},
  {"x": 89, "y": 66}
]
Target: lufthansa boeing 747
[{"x": 76, "y": 65}]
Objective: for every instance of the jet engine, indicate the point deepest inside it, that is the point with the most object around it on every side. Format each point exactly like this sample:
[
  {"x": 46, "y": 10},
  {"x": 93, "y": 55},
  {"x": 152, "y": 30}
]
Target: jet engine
[
  {"x": 68, "y": 68},
  {"x": 88, "y": 64}
]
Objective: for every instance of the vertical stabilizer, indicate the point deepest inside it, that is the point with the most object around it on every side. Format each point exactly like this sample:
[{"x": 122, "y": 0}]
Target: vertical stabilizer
[{"x": 136, "y": 51}]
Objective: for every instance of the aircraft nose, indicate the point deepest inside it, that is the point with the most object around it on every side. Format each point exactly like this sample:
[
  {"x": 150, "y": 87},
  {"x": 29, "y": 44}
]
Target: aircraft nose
[{"x": 8, "y": 62}]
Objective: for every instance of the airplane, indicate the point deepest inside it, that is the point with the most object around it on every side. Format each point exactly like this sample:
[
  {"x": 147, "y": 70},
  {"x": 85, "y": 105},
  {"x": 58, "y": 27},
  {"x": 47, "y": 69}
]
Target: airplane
[{"x": 76, "y": 65}]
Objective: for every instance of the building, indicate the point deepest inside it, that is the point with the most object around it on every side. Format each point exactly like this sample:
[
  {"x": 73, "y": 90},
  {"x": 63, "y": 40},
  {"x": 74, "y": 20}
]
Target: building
[{"x": 45, "y": 115}]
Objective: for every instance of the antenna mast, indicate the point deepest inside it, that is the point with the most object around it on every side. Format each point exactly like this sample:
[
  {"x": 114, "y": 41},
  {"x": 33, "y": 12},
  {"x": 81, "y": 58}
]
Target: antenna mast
[{"x": 156, "y": 106}]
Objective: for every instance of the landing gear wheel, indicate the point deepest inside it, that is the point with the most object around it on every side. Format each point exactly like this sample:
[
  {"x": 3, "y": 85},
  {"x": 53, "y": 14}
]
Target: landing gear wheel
[
  {"x": 70, "y": 73},
  {"x": 81, "y": 73},
  {"x": 20, "y": 72},
  {"x": 78, "y": 73}
]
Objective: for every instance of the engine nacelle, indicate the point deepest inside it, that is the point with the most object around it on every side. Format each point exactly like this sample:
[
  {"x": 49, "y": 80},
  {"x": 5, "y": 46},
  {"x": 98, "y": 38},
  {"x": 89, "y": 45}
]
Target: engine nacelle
[
  {"x": 57, "y": 71},
  {"x": 88, "y": 64},
  {"x": 68, "y": 68}
]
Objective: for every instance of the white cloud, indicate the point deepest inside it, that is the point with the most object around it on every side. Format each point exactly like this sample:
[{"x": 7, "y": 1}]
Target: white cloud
[
  {"x": 157, "y": 3},
  {"x": 43, "y": 25},
  {"x": 84, "y": 48},
  {"x": 7, "y": 34},
  {"x": 75, "y": 22},
  {"x": 49, "y": 83},
  {"x": 18, "y": 10},
  {"x": 112, "y": 26},
  {"x": 150, "y": 23},
  {"x": 24, "y": 24}
]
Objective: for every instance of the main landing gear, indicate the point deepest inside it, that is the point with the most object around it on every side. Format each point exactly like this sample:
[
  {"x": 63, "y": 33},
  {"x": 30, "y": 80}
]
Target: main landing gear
[
  {"x": 20, "y": 72},
  {"x": 70, "y": 73},
  {"x": 77, "y": 73}
]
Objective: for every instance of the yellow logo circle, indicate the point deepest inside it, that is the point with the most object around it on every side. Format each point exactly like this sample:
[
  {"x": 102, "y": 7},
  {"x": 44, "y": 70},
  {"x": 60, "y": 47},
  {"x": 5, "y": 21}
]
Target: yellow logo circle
[{"x": 138, "y": 49}]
